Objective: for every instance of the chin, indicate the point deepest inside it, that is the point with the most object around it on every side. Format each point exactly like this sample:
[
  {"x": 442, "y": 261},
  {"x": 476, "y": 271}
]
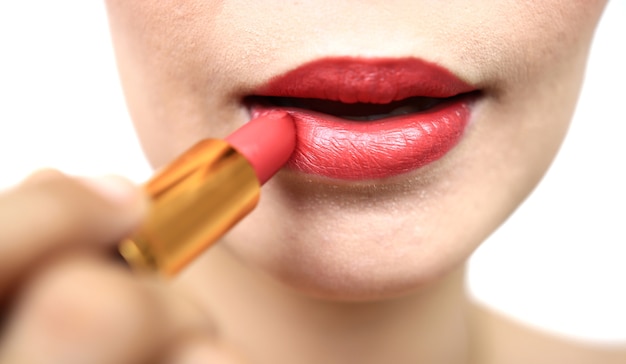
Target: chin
[
  {"x": 334, "y": 268},
  {"x": 347, "y": 245}
]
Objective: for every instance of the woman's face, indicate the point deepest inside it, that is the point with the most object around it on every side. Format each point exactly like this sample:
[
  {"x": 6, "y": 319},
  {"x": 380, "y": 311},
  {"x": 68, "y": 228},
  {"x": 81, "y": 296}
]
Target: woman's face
[{"x": 189, "y": 69}]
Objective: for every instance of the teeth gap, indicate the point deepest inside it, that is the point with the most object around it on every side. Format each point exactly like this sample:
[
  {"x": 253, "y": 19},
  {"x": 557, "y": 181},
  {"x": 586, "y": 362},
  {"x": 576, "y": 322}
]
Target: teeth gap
[{"x": 355, "y": 111}]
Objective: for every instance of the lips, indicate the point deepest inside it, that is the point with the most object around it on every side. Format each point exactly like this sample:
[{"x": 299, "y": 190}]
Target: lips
[{"x": 360, "y": 119}]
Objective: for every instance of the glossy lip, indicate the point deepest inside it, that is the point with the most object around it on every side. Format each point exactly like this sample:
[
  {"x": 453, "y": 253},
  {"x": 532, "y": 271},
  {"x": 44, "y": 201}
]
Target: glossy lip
[{"x": 339, "y": 148}]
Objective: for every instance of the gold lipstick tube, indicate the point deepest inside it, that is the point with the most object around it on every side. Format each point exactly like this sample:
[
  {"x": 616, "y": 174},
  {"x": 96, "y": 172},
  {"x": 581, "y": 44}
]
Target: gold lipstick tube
[{"x": 195, "y": 201}]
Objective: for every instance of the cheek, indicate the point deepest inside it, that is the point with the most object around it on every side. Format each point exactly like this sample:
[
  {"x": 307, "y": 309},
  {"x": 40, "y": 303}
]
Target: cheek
[
  {"x": 168, "y": 71},
  {"x": 512, "y": 43}
]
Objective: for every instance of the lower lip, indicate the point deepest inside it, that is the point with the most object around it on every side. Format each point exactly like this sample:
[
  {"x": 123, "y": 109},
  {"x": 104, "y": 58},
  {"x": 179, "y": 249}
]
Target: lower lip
[{"x": 351, "y": 150}]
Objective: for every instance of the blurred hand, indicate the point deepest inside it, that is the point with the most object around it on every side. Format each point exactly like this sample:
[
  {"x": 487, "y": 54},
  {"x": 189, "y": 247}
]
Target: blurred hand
[{"x": 65, "y": 299}]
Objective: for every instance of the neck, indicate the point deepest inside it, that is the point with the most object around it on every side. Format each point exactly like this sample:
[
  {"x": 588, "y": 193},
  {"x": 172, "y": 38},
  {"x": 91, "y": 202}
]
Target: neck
[{"x": 272, "y": 323}]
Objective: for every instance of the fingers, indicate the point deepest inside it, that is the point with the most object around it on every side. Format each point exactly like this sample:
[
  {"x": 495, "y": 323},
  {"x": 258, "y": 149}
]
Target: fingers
[
  {"x": 51, "y": 211},
  {"x": 76, "y": 306},
  {"x": 86, "y": 310}
]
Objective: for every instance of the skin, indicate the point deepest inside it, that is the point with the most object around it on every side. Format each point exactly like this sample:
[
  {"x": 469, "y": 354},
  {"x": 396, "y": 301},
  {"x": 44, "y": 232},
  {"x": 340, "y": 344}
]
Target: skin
[
  {"x": 363, "y": 272},
  {"x": 223, "y": 52}
]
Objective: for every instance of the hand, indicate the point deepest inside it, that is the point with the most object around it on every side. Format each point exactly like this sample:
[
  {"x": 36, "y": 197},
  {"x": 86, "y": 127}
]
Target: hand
[{"x": 67, "y": 301}]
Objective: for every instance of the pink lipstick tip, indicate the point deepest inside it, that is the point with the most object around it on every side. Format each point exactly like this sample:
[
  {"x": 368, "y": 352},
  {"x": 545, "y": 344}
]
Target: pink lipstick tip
[{"x": 267, "y": 142}]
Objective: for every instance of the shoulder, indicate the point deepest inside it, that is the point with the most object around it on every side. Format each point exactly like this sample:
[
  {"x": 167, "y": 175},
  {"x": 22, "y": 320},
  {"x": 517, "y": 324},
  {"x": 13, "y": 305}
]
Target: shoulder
[{"x": 503, "y": 340}]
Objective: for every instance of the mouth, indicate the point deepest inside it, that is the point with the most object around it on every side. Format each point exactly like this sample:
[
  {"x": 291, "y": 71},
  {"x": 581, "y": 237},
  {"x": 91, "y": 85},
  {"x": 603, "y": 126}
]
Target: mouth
[
  {"x": 354, "y": 112},
  {"x": 363, "y": 119}
]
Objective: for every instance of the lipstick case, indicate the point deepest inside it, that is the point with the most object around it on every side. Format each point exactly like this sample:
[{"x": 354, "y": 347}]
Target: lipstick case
[{"x": 195, "y": 200}]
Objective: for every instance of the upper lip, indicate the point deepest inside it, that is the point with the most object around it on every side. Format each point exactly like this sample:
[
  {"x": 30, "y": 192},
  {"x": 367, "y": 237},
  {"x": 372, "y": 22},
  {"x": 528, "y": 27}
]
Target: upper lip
[{"x": 374, "y": 81}]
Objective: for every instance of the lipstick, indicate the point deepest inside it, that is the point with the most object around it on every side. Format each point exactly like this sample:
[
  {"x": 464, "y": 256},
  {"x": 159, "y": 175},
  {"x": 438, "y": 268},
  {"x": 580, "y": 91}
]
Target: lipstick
[
  {"x": 208, "y": 189},
  {"x": 369, "y": 118}
]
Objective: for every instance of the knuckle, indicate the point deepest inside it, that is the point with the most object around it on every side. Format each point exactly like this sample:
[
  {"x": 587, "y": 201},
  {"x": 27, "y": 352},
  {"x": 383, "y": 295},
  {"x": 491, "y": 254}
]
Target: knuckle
[
  {"x": 51, "y": 213},
  {"x": 34, "y": 208},
  {"x": 44, "y": 175},
  {"x": 58, "y": 204}
]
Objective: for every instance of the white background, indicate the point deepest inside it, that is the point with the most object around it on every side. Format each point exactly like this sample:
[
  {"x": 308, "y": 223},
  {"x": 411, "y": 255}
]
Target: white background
[{"x": 559, "y": 263}]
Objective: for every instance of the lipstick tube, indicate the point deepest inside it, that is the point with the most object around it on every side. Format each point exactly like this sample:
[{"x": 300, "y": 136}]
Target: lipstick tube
[{"x": 197, "y": 198}]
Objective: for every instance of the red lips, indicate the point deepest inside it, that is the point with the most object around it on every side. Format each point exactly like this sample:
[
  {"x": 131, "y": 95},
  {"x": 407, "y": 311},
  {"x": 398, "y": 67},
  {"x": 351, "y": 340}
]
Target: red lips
[{"x": 422, "y": 111}]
